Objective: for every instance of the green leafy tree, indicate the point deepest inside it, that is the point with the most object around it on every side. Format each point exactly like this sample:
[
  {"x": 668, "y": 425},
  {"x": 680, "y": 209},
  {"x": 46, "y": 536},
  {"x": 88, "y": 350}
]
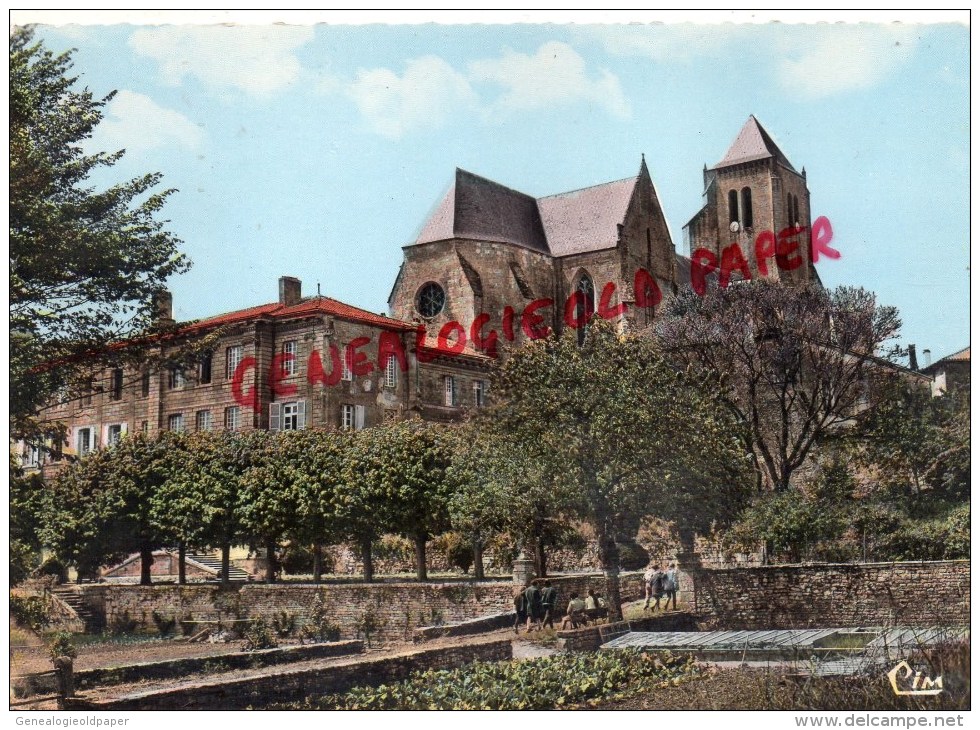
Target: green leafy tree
[
  {"x": 793, "y": 363},
  {"x": 84, "y": 263},
  {"x": 360, "y": 511},
  {"x": 621, "y": 433},
  {"x": 30, "y": 508},
  {"x": 407, "y": 464},
  {"x": 104, "y": 503},
  {"x": 267, "y": 501}
]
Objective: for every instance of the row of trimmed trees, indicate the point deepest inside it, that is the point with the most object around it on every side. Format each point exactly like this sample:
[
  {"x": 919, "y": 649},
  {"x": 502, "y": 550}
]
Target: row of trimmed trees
[{"x": 603, "y": 433}]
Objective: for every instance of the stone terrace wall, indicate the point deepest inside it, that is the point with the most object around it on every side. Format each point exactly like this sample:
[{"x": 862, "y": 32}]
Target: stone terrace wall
[
  {"x": 869, "y": 594},
  {"x": 399, "y": 608},
  {"x": 284, "y": 685}
]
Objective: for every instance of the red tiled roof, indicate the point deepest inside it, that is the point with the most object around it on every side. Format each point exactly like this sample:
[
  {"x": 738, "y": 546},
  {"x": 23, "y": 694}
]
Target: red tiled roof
[
  {"x": 960, "y": 356},
  {"x": 305, "y": 308}
]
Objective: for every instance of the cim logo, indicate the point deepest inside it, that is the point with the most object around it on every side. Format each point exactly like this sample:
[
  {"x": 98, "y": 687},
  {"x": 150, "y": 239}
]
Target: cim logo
[{"x": 917, "y": 685}]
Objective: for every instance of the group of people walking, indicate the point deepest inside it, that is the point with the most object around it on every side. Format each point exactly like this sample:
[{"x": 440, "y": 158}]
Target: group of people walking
[
  {"x": 660, "y": 584},
  {"x": 538, "y": 603}
]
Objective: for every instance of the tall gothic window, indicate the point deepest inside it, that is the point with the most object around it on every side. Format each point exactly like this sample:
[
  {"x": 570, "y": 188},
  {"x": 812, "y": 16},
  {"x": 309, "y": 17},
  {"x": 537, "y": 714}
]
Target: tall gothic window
[
  {"x": 746, "y": 207},
  {"x": 586, "y": 303},
  {"x": 732, "y": 206}
]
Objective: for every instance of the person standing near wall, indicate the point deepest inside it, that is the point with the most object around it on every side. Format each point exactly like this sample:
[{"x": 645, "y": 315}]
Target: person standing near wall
[
  {"x": 671, "y": 584},
  {"x": 549, "y": 601}
]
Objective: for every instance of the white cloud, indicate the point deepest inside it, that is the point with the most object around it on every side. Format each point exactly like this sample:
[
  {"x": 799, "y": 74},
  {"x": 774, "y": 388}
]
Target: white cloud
[
  {"x": 679, "y": 42},
  {"x": 255, "y": 59},
  {"x": 428, "y": 91},
  {"x": 554, "y": 75},
  {"x": 843, "y": 58},
  {"x": 137, "y": 123}
]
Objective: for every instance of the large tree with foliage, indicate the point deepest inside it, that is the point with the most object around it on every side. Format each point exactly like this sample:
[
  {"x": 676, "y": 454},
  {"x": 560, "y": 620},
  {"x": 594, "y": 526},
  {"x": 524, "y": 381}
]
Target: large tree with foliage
[
  {"x": 792, "y": 363},
  {"x": 406, "y": 465},
  {"x": 84, "y": 263},
  {"x": 618, "y": 431}
]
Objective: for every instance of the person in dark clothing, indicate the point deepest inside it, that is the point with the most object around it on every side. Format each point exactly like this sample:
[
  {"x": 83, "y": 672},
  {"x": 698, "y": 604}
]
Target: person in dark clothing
[
  {"x": 520, "y": 610},
  {"x": 549, "y": 599},
  {"x": 532, "y": 597}
]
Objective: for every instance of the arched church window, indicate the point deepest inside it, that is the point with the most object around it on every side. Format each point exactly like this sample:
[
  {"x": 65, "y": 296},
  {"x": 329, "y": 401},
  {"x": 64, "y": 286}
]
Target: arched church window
[
  {"x": 796, "y": 210},
  {"x": 746, "y": 207},
  {"x": 430, "y": 300},
  {"x": 732, "y": 206},
  {"x": 789, "y": 209},
  {"x": 586, "y": 302}
]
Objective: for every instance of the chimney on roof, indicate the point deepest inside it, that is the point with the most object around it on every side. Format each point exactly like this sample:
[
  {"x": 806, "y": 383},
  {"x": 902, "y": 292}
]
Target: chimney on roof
[
  {"x": 926, "y": 358},
  {"x": 913, "y": 360},
  {"x": 290, "y": 290},
  {"x": 163, "y": 307}
]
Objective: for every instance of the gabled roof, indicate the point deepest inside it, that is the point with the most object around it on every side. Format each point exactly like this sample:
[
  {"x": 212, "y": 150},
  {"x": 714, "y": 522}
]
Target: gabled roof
[
  {"x": 958, "y": 356},
  {"x": 586, "y": 219},
  {"x": 563, "y": 224},
  {"x": 753, "y": 143},
  {"x": 475, "y": 207},
  {"x": 305, "y": 308}
]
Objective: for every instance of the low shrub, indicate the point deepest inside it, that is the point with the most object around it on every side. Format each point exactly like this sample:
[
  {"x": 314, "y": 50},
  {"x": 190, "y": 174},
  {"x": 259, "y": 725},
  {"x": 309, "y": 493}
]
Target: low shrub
[
  {"x": 318, "y": 626},
  {"x": 283, "y": 624},
  {"x": 62, "y": 644},
  {"x": 31, "y": 611},
  {"x": 259, "y": 635},
  {"x": 562, "y": 680}
]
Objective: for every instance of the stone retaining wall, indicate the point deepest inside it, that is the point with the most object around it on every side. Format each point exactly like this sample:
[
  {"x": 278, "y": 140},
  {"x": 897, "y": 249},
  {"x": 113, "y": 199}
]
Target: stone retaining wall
[
  {"x": 396, "y": 609},
  {"x": 868, "y": 594},
  {"x": 283, "y": 685}
]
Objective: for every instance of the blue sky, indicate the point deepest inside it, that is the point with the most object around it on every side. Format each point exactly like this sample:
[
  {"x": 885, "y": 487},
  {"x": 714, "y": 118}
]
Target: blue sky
[{"x": 317, "y": 151}]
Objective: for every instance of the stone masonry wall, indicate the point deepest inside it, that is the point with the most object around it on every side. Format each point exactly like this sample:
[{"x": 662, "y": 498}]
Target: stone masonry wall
[
  {"x": 398, "y": 608},
  {"x": 800, "y": 596}
]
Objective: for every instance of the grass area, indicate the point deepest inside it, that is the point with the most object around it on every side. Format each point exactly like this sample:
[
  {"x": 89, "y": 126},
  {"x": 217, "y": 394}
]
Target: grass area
[{"x": 560, "y": 681}]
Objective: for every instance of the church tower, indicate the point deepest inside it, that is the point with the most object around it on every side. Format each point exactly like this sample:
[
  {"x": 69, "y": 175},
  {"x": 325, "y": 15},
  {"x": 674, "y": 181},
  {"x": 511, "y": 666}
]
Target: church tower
[{"x": 753, "y": 189}]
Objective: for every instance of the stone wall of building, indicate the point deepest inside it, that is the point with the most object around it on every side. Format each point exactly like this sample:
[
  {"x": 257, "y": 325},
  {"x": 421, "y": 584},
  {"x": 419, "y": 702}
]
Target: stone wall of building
[{"x": 801, "y": 596}]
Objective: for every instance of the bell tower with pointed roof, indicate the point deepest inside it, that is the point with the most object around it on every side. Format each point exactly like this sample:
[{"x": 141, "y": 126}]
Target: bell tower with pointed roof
[{"x": 754, "y": 188}]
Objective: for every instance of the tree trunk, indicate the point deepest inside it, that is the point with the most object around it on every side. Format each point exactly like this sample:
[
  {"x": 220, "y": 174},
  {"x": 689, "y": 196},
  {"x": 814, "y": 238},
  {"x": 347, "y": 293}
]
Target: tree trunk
[
  {"x": 270, "y": 561},
  {"x": 146, "y": 560},
  {"x": 609, "y": 557},
  {"x": 181, "y": 563},
  {"x": 420, "y": 566},
  {"x": 366, "y": 557},
  {"x": 317, "y": 562},
  {"x": 478, "y": 573},
  {"x": 540, "y": 560},
  {"x": 225, "y": 563}
]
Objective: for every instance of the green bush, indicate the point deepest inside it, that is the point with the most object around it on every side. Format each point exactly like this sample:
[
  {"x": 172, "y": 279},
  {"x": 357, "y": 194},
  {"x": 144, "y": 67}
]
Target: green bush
[
  {"x": 259, "y": 635},
  {"x": 457, "y": 550},
  {"x": 318, "y": 626},
  {"x": 31, "y": 611},
  {"x": 283, "y": 624},
  {"x": 62, "y": 644},
  {"x": 368, "y": 624},
  {"x": 551, "y": 682}
]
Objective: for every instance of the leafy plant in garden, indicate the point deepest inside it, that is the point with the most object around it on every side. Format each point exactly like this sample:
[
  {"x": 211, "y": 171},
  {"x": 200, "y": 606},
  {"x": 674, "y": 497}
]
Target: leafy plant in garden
[
  {"x": 318, "y": 626},
  {"x": 259, "y": 635},
  {"x": 283, "y": 624},
  {"x": 558, "y": 681},
  {"x": 31, "y": 611},
  {"x": 62, "y": 644}
]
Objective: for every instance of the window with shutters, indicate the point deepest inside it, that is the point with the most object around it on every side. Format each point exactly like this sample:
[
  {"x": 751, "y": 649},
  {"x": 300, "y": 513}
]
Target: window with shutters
[
  {"x": 175, "y": 422},
  {"x": 479, "y": 393},
  {"x": 203, "y": 420},
  {"x": 450, "y": 384},
  {"x": 233, "y": 356},
  {"x": 31, "y": 458},
  {"x": 88, "y": 387},
  {"x": 231, "y": 418},
  {"x": 145, "y": 427},
  {"x": 114, "y": 433},
  {"x": 391, "y": 372},
  {"x": 287, "y": 416},
  {"x": 84, "y": 440},
  {"x": 352, "y": 417},
  {"x": 289, "y": 358},
  {"x": 145, "y": 386}
]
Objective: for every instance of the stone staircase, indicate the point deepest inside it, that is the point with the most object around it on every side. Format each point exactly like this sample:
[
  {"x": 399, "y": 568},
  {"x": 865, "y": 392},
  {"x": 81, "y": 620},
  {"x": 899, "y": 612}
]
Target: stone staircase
[
  {"x": 211, "y": 562},
  {"x": 93, "y": 620}
]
